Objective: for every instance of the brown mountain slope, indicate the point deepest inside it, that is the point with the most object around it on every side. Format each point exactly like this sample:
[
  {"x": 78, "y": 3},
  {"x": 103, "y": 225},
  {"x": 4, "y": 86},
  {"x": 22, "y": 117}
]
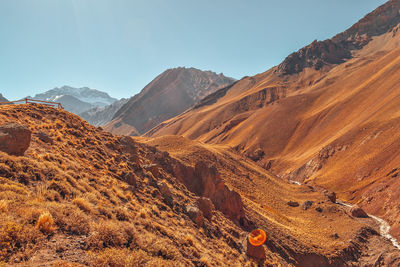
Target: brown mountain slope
[
  {"x": 335, "y": 126},
  {"x": 168, "y": 95},
  {"x": 305, "y": 234},
  {"x": 80, "y": 195}
]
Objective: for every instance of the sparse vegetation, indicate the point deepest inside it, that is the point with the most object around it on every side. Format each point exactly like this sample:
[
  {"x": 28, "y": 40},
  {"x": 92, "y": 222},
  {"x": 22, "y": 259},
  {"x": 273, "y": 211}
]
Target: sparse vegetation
[
  {"x": 45, "y": 223},
  {"x": 55, "y": 192}
]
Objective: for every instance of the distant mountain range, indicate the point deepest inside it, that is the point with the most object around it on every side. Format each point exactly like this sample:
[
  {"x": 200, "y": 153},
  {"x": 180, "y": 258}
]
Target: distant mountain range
[
  {"x": 99, "y": 116},
  {"x": 168, "y": 95},
  {"x": 77, "y": 100},
  {"x": 2, "y": 98}
]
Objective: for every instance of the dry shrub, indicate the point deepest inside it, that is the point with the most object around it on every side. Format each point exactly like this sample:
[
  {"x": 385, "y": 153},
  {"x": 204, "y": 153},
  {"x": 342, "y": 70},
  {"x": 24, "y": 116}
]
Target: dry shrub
[
  {"x": 16, "y": 238},
  {"x": 8, "y": 185},
  {"x": 125, "y": 257},
  {"x": 83, "y": 204},
  {"x": 121, "y": 214},
  {"x": 189, "y": 240},
  {"x": 143, "y": 213},
  {"x": 119, "y": 258},
  {"x": 112, "y": 234},
  {"x": 157, "y": 246},
  {"x": 105, "y": 212},
  {"x": 30, "y": 214},
  {"x": 40, "y": 192},
  {"x": 67, "y": 264},
  {"x": 205, "y": 261},
  {"x": 71, "y": 220},
  {"x": 45, "y": 223},
  {"x": 3, "y": 205},
  {"x": 107, "y": 234}
]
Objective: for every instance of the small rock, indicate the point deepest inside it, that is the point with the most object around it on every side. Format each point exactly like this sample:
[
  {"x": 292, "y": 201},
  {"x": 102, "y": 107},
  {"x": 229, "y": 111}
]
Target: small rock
[
  {"x": 257, "y": 154},
  {"x": 45, "y": 137},
  {"x": 195, "y": 214},
  {"x": 335, "y": 235},
  {"x": 255, "y": 252},
  {"x": 330, "y": 195},
  {"x": 164, "y": 189},
  {"x": 130, "y": 178},
  {"x": 14, "y": 139},
  {"x": 293, "y": 203},
  {"x": 206, "y": 206},
  {"x": 165, "y": 192},
  {"x": 319, "y": 209},
  {"x": 307, "y": 204},
  {"x": 358, "y": 212}
]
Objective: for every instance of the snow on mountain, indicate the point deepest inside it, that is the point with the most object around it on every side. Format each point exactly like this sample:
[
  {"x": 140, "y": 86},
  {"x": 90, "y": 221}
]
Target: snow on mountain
[{"x": 77, "y": 100}]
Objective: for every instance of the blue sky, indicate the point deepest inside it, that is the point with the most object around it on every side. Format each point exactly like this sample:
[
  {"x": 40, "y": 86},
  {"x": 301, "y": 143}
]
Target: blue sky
[{"x": 119, "y": 46}]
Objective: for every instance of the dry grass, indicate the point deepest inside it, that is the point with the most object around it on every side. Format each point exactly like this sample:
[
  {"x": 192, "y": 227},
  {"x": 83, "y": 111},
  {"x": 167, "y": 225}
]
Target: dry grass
[
  {"x": 60, "y": 194},
  {"x": 45, "y": 223},
  {"x": 3, "y": 205},
  {"x": 83, "y": 204}
]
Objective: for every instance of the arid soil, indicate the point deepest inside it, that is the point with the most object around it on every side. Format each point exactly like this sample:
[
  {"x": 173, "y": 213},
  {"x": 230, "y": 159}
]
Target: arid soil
[
  {"x": 330, "y": 123},
  {"x": 79, "y": 195}
]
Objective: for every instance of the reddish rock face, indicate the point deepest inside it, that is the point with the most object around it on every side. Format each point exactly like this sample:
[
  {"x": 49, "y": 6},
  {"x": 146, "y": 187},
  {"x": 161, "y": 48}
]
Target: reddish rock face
[
  {"x": 206, "y": 206},
  {"x": 14, "y": 139},
  {"x": 212, "y": 186},
  {"x": 257, "y": 253},
  {"x": 195, "y": 214},
  {"x": 205, "y": 181}
]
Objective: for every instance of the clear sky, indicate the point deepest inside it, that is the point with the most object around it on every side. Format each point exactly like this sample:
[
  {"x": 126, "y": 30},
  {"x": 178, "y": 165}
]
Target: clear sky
[{"x": 119, "y": 46}]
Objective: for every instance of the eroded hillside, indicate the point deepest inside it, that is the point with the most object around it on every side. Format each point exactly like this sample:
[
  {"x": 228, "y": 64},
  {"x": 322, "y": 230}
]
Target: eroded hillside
[
  {"x": 327, "y": 116},
  {"x": 81, "y": 195}
]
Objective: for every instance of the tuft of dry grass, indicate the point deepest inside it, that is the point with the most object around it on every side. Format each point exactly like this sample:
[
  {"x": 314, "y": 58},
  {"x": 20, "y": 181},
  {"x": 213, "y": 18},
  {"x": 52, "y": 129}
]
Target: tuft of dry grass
[
  {"x": 83, "y": 204},
  {"x": 45, "y": 223},
  {"x": 3, "y": 205},
  {"x": 117, "y": 257},
  {"x": 106, "y": 234}
]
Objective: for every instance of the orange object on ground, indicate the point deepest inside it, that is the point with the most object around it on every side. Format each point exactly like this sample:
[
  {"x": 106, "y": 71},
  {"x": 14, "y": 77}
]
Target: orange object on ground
[{"x": 257, "y": 237}]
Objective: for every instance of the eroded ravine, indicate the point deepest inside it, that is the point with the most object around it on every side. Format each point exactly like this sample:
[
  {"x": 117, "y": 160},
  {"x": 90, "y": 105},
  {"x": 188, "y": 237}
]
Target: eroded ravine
[{"x": 384, "y": 227}]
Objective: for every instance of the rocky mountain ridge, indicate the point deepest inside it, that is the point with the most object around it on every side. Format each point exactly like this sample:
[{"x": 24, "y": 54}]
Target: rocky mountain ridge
[
  {"x": 2, "y": 98},
  {"x": 76, "y": 100},
  {"x": 339, "y": 48},
  {"x": 168, "y": 95},
  {"x": 99, "y": 116}
]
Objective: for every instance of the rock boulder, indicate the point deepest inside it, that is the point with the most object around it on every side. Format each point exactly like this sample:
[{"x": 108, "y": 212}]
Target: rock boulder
[
  {"x": 206, "y": 206},
  {"x": 14, "y": 139},
  {"x": 358, "y": 212}
]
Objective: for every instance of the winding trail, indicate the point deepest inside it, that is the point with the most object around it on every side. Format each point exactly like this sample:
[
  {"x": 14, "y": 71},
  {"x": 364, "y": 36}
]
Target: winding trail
[{"x": 384, "y": 227}]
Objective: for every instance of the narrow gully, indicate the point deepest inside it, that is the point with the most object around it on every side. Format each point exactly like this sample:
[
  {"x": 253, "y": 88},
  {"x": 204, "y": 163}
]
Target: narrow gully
[{"x": 384, "y": 227}]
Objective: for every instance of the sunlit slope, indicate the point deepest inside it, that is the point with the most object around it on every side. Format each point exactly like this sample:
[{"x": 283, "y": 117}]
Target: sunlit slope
[
  {"x": 336, "y": 127},
  {"x": 304, "y": 233}
]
